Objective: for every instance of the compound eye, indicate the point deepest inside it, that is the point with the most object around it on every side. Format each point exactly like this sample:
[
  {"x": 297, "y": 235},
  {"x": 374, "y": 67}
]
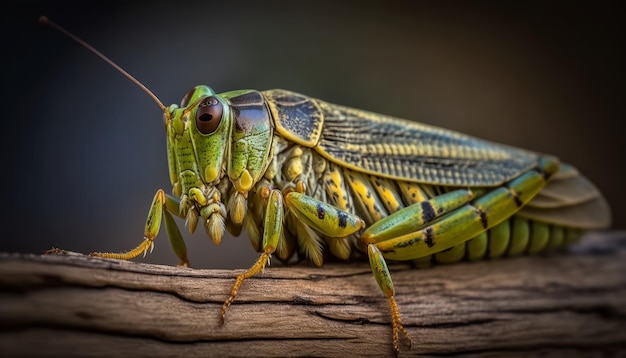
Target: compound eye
[
  {"x": 186, "y": 98},
  {"x": 209, "y": 115}
]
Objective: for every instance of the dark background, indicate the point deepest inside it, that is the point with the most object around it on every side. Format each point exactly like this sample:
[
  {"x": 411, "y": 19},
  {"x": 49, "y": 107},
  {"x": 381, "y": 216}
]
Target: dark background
[{"x": 84, "y": 149}]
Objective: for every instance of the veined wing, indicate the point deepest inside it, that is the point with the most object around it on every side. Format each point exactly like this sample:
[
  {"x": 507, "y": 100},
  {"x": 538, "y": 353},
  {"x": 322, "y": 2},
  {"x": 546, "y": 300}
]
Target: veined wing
[{"x": 405, "y": 150}]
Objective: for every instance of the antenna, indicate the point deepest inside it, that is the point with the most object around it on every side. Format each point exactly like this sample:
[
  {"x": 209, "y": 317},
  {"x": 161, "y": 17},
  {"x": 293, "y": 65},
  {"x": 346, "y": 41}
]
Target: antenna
[{"x": 45, "y": 21}]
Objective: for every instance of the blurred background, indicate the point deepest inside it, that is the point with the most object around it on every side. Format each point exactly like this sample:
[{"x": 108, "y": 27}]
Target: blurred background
[{"x": 84, "y": 149}]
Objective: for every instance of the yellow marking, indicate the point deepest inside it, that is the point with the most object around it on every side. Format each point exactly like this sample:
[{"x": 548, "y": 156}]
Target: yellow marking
[
  {"x": 210, "y": 174},
  {"x": 296, "y": 152},
  {"x": 429, "y": 150},
  {"x": 412, "y": 192},
  {"x": 244, "y": 182},
  {"x": 390, "y": 198},
  {"x": 445, "y": 152},
  {"x": 197, "y": 196},
  {"x": 335, "y": 188},
  {"x": 366, "y": 196},
  {"x": 279, "y": 111},
  {"x": 294, "y": 168}
]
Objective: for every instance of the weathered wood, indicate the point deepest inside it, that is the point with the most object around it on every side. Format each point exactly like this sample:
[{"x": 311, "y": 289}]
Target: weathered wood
[{"x": 567, "y": 304}]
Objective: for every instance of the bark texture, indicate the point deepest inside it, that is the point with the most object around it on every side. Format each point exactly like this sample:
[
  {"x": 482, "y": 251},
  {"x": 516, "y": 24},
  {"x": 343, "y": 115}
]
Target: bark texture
[{"x": 563, "y": 304}]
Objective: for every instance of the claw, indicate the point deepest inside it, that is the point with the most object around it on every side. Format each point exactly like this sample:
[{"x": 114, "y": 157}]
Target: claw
[{"x": 150, "y": 247}]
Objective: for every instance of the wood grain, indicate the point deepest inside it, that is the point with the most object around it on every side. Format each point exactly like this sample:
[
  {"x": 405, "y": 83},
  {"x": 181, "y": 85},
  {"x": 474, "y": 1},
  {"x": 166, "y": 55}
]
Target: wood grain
[{"x": 563, "y": 304}]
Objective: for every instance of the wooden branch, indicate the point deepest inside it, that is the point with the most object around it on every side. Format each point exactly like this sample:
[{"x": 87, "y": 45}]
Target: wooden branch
[{"x": 567, "y": 304}]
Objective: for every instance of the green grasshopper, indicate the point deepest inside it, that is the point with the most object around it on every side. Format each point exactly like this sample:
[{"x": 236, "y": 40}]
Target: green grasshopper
[{"x": 301, "y": 175}]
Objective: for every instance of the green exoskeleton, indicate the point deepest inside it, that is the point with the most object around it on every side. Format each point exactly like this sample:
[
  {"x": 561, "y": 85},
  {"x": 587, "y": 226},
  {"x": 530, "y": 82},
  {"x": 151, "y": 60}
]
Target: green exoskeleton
[{"x": 307, "y": 177}]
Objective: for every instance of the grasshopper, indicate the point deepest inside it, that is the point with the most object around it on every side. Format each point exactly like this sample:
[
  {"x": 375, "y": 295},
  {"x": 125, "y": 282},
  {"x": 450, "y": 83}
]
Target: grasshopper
[{"x": 310, "y": 178}]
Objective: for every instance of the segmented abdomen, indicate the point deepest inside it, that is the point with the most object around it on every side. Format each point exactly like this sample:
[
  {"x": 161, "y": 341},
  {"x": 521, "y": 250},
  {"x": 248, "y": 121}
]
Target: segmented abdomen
[
  {"x": 373, "y": 198},
  {"x": 513, "y": 237}
]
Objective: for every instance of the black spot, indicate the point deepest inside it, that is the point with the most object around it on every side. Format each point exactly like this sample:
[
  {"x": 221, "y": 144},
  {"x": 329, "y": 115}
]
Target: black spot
[
  {"x": 320, "y": 212},
  {"x": 544, "y": 174},
  {"x": 440, "y": 210},
  {"x": 413, "y": 195},
  {"x": 428, "y": 213},
  {"x": 369, "y": 194},
  {"x": 409, "y": 243},
  {"x": 429, "y": 237},
  {"x": 483, "y": 218},
  {"x": 343, "y": 219},
  {"x": 516, "y": 198}
]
